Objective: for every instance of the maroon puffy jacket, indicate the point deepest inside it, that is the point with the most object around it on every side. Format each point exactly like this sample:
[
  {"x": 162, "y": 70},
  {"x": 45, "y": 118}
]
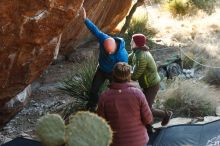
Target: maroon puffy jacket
[{"x": 125, "y": 107}]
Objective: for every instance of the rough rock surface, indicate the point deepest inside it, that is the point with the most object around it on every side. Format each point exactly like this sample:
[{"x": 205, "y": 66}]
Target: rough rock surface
[
  {"x": 31, "y": 32},
  {"x": 106, "y": 14}
]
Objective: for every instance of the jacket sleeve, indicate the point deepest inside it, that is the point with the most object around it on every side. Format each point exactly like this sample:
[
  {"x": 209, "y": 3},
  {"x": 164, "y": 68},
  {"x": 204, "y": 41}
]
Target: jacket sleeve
[
  {"x": 140, "y": 66},
  {"x": 130, "y": 58},
  {"x": 96, "y": 31},
  {"x": 146, "y": 114},
  {"x": 100, "y": 110}
]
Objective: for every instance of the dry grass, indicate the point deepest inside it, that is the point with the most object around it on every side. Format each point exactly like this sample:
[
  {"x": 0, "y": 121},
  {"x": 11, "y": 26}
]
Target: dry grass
[
  {"x": 190, "y": 99},
  {"x": 187, "y": 62},
  {"x": 189, "y": 7},
  {"x": 206, "y": 5},
  {"x": 199, "y": 34},
  {"x": 192, "y": 54},
  {"x": 179, "y": 7},
  {"x": 212, "y": 75}
]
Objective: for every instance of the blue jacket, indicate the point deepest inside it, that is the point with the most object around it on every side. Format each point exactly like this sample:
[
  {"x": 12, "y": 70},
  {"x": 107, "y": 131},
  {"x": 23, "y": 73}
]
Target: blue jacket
[{"x": 106, "y": 61}]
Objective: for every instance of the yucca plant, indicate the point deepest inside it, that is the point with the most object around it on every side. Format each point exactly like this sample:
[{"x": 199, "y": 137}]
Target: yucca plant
[{"x": 78, "y": 86}]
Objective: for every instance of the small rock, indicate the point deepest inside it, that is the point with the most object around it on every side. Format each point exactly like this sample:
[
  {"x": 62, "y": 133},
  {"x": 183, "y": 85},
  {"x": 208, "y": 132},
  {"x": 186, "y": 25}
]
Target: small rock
[
  {"x": 35, "y": 104},
  {"x": 22, "y": 134},
  {"x": 208, "y": 119},
  {"x": 218, "y": 110},
  {"x": 40, "y": 113},
  {"x": 189, "y": 73},
  {"x": 6, "y": 139},
  {"x": 59, "y": 59},
  {"x": 7, "y": 128},
  {"x": 174, "y": 121}
]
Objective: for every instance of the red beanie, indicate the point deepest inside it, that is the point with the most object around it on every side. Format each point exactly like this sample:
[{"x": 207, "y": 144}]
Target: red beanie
[{"x": 139, "y": 39}]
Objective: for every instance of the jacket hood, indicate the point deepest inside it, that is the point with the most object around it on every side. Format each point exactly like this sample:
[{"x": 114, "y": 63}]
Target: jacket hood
[
  {"x": 116, "y": 86},
  {"x": 143, "y": 48},
  {"x": 120, "y": 42}
]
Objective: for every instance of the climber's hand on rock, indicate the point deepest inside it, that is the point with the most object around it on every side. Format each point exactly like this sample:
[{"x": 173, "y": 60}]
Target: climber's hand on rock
[{"x": 83, "y": 12}]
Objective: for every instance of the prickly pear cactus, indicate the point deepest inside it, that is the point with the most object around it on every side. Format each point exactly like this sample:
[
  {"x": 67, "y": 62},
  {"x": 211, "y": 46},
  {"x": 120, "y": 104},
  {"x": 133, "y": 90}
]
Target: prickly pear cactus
[
  {"x": 51, "y": 130},
  {"x": 87, "y": 129},
  {"x": 84, "y": 129}
]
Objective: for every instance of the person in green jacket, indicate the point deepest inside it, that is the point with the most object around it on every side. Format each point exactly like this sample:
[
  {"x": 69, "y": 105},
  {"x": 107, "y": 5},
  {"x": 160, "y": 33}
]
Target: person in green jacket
[{"x": 145, "y": 72}]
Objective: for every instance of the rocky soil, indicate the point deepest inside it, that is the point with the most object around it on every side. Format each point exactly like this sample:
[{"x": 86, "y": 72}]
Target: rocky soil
[{"x": 45, "y": 97}]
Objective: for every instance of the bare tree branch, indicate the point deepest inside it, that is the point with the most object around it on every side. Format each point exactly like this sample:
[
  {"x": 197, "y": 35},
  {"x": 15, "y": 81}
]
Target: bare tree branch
[{"x": 129, "y": 17}]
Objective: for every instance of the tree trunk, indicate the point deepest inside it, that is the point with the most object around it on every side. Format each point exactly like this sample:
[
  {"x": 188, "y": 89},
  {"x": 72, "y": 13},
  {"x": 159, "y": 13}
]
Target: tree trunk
[{"x": 129, "y": 17}]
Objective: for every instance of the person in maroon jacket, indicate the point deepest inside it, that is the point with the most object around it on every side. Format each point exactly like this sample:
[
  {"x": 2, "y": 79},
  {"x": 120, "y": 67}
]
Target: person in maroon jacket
[{"x": 125, "y": 107}]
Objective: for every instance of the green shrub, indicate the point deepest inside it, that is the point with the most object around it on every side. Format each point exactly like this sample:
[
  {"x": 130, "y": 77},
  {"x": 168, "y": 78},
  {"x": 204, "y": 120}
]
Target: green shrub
[
  {"x": 188, "y": 7},
  {"x": 178, "y": 7},
  {"x": 189, "y": 99},
  {"x": 139, "y": 25},
  {"x": 187, "y": 62},
  {"x": 205, "y": 5}
]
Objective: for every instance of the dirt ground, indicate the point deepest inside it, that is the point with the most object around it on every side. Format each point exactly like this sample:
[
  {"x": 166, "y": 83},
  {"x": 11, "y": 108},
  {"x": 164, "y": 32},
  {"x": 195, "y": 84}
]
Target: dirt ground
[{"x": 44, "y": 98}]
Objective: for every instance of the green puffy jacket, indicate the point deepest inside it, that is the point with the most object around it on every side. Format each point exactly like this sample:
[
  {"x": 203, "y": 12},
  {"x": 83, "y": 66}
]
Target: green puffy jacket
[{"x": 145, "y": 68}]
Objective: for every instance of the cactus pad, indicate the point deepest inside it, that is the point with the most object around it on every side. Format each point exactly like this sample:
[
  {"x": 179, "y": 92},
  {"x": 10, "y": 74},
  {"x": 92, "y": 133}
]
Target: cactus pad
[
  {"x": 87, "y": 129},
  {"x": 51, "y": 129},
  {"x": 84, "y": 129}
]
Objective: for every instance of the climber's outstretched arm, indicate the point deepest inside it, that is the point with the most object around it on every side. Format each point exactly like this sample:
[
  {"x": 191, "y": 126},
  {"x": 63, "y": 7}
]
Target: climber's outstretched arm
[{"x": 93, "y": 28}]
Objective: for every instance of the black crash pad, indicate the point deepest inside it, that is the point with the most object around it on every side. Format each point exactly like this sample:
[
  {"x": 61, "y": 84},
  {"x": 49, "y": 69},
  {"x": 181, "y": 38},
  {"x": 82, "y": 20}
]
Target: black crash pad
[
  {"x": 189, "y": 135},
  {"x": 19, "y": 141},
  {"x": 180, "y": 135}
]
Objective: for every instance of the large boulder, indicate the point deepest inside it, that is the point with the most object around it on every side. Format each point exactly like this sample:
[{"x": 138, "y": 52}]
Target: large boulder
[
  {"x": 30, "y": 34},
  {"x": 106, "y": 14},
  {"x": 32, "y": 31}
]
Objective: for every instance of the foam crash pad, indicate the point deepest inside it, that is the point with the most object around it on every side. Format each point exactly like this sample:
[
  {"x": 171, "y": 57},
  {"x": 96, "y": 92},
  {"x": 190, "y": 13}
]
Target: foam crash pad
[
  {"x": 189, "y": 135},
  {"x": 179, "y": 135},
  {"x": 19, "y": 141}
]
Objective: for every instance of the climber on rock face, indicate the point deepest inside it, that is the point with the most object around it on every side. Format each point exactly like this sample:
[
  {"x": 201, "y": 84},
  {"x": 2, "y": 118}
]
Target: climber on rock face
[{"x": 111, "y": 51}]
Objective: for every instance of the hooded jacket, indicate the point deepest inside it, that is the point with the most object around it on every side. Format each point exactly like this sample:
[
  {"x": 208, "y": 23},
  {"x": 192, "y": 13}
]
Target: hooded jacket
[
  {"x": 125, "y": 107},
  {"x": 107, "y": 61},
  {"x": 145, "y": 68}
]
